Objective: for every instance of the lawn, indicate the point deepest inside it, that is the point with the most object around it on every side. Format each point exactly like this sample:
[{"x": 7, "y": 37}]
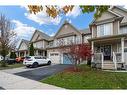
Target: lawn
[
  {"x": 11, "y": 66},
  {"x": 88, "y": 79}
]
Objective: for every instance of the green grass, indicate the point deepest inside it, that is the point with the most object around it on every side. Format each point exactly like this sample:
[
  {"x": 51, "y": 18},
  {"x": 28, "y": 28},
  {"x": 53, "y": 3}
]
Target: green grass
[
  {"x": 89, "y": 79},
  {"x": 11, "y": 66}
]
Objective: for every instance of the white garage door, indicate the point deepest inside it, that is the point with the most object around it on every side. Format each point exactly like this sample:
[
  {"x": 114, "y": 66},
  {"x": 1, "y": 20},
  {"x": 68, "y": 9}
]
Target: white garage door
[{"x": 54, "y": 57}]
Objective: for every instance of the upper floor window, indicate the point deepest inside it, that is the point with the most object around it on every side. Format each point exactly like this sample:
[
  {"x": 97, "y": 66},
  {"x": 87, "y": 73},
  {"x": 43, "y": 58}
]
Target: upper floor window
[
  {"x": 123, "y": 30},
  {"x": 104, "y": 29}
]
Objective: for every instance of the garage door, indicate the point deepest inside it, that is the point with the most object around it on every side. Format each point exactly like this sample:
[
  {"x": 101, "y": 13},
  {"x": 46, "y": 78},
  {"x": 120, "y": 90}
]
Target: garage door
[
  {"x": 67, "y": 59},
  {"x": 55, "y": 57}
]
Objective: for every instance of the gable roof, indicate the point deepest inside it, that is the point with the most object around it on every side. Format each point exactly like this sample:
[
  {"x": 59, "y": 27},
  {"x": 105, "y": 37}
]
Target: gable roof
[
  {"x": 109, "y": 10},
  {"x": 24, "y": 41},
  {"x": 66, "y": 22},
  {"x": 44, "y": 36},
  {"x": 119, "y": 7}
]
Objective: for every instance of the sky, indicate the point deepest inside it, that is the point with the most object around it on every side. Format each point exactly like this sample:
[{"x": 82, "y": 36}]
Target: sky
[{"x": 25, "y": 23}]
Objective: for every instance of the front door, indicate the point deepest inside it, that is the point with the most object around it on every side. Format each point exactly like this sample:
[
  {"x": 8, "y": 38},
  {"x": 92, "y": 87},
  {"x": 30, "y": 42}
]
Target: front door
[{"x": 106, "y": 49}]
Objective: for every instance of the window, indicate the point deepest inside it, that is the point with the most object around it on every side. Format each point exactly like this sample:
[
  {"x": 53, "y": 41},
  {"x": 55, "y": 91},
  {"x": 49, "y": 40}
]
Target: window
[
  {"x": 125, "y": 49},
  {"x": 54, "y": 54},
  {"x": 38, "y": 57},
  {"x": 123, "y": 30},
  {"x": 104, "y": 29}
]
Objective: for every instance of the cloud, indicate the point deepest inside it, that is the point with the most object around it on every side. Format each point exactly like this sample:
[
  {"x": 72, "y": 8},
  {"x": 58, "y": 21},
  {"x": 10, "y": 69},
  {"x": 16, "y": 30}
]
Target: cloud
[
  {"x": 23, "y": 30},
  {"x": 52, "y": 34},
  {"x": 75, "y": 12},
  {"x": 42, "y": 17},
  {"x": 69, "y": 20}
]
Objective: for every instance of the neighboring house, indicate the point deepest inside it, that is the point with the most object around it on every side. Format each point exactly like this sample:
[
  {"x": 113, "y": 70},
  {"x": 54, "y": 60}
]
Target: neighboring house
[
  {"x": 66, "y": 35},
  {"x": 109, "y": 38},
  {"x": 45, "y": 45},
  {"x": 23, "y": 48},
  {"x": 40, "y": 41}
]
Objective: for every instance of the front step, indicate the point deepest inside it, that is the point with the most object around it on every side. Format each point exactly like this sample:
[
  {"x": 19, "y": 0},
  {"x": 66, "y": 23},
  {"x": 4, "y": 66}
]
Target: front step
[{"x": 108, "y": 65}]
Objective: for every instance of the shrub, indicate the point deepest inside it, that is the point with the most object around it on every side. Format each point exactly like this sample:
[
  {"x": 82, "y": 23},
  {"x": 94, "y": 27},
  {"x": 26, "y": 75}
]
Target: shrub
[
  {"x": 31, "y": 49},
  {"x": 12, "y": 55}
]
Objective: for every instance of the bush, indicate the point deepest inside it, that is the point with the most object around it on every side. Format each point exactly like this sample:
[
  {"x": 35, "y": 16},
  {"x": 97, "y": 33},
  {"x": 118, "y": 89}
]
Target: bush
[
  {"x": 13, "y": 55},
  {"x": 31, "y": 49},
  {"x": 3, "y": 64}
]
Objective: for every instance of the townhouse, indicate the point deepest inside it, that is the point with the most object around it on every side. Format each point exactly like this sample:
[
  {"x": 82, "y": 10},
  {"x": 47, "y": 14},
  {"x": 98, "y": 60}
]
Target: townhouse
[
  {"x": 49, "y": 46},
  {"x": 23, "y": 48},
  {"x": 109, "y": 39},
  {"x": 106, "y": 34}
]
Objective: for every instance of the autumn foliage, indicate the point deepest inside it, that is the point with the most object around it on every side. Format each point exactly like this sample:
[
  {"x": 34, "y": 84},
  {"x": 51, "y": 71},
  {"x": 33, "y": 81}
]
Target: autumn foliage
[
  {"x": 77, "y": 53},
  {"x": 54, "y": 10}
]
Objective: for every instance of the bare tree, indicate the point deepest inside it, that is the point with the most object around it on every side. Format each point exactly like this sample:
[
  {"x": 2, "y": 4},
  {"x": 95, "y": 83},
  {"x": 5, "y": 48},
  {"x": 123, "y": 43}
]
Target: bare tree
[{"x": 7, "y": 37}]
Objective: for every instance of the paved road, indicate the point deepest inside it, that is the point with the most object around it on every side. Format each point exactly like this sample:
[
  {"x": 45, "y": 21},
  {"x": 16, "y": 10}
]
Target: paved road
[{"x": 44, "y": 72}]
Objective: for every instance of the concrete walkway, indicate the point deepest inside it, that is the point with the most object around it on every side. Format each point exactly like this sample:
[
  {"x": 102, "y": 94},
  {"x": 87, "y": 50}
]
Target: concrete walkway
[{"x": 10, "y": 81}]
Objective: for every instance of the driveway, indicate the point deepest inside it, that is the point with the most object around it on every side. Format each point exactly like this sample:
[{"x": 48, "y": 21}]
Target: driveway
[
  {"x": 11, "y": 81},
  {"x": 43, "y": 72}
]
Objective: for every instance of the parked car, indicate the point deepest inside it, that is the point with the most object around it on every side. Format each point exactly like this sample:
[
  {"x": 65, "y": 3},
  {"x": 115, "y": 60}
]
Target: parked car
[
  {"x": 35, "y": 61},
  {"x": 10, "y": 61},
  {"x": 20, "y": 59},
  {"x": 1, "y": 57}
]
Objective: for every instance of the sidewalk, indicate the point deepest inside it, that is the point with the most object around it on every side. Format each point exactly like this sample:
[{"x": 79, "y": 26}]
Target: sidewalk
[{"x": 10, "y": 81}]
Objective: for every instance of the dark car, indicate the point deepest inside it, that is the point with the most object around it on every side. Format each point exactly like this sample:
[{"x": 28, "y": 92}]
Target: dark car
[{"x": 10, "y": 61}]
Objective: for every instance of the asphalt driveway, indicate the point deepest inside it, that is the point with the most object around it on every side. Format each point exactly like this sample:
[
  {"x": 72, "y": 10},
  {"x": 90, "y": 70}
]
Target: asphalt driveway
[{"x": 44, "y": 72}]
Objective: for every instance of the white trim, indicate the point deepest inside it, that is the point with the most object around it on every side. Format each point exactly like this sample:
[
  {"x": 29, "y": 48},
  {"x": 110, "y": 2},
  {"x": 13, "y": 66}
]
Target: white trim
[
  {"x": 118, "y": 28},
  {"x": 92, "y": 32},
  {"x": 92, "y": 47},
  {"x": 43, "y": 44},
  {"x": 112, "y": 32},
  {"x": 122, "y": 48}
]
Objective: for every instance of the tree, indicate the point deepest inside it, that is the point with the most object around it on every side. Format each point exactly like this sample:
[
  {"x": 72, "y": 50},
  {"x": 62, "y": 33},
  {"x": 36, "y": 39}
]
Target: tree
[
  {"x": 76, "y": 53},
  {"x": 7, "y": 38},
  {"x": 31, "y": 50},
  {"x": 12, "y": 55},
  {"x": 54, "y": 11}
]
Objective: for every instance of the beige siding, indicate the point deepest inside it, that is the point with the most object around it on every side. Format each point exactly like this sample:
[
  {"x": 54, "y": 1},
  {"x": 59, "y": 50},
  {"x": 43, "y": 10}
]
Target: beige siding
[
  {"x": 45, "y": 43},
  {"x": 38, "y": 44},
  {"x": 105, "y": 16},
  {"x": 94, "y": 31},
  {"x": 115, "y": 27},
  {"x": 34, "y": 37},
  {"x": 123, "y": 13},
  {"x": 67, "y": 29},
  {"x": 23, "y": 46}
]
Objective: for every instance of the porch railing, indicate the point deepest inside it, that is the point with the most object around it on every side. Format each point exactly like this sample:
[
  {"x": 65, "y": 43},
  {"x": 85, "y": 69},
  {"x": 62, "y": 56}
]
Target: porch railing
[
  {"x": 99, "y": 58},
  {"x": 117, "y": 58}
]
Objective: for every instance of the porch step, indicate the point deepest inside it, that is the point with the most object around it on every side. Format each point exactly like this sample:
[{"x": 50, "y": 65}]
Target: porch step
[{"x": 108, "y": 66}]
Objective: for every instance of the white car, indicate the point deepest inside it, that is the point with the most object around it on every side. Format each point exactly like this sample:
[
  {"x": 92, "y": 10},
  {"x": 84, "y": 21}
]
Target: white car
[{"x": 35, "y": 61}]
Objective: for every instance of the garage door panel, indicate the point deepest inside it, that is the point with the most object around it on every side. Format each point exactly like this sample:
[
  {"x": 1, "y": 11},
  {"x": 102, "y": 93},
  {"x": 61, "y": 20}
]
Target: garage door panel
[
  {"x": 55, "y": 57},
  {"x": 67, "y": 59}
]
